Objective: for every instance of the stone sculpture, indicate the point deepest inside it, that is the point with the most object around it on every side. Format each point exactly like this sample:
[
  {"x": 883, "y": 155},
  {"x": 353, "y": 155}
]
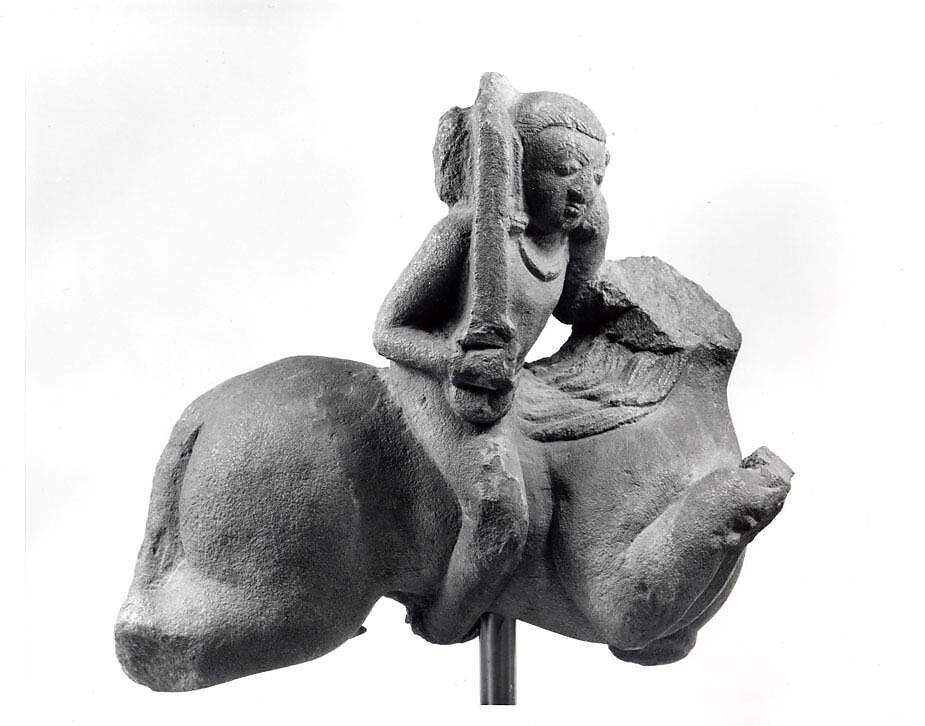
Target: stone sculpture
[{"x": 599, "y": 493}]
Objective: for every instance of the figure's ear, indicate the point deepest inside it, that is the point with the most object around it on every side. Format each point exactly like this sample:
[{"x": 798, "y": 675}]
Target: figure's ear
[{"x": 452, "y": 152}]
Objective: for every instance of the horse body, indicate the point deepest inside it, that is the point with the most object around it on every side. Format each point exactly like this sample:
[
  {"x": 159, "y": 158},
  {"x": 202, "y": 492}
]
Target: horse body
[{"x": 290, "y": 499}]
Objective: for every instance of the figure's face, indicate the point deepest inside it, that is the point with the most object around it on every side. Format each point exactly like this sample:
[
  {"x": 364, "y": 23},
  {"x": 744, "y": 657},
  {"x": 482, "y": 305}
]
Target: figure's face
[{"x": 563, "y": 169}]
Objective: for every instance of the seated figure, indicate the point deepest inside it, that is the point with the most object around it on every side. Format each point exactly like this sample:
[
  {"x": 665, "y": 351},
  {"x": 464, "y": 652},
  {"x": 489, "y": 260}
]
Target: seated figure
[{"x": 462, "y": 317}]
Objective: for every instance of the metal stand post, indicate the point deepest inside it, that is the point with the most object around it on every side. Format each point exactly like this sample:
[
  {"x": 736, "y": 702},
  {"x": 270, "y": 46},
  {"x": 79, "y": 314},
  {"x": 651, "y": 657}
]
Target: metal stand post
[{"x": 498, "y": 660}]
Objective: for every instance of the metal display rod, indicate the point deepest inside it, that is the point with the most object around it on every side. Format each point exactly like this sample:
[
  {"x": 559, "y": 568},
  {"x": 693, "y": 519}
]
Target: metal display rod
[{"x": 498, "y": 666}]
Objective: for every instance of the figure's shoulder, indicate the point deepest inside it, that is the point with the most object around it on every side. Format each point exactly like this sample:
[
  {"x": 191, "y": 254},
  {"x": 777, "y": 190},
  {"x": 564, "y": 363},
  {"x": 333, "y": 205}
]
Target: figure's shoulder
[
  {"x": 457, "y": 224},
  {"x": 646, "y": 304},
  {"x": 446, "y": 241}
]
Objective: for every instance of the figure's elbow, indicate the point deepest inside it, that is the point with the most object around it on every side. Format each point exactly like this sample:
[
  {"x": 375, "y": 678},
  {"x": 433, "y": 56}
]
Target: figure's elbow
[{"x": 391, "y": 336}]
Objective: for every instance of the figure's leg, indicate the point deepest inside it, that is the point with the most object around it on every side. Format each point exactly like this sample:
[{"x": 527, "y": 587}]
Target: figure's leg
[
  {"x": 482, "y": 466},
  {"x": 492, "y": 534},
  {"x": 649, "y": 589}
]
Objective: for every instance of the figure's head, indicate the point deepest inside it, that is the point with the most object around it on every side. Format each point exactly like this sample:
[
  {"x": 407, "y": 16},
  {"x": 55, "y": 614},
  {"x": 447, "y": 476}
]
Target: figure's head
[{"x": 564, "y": 158}]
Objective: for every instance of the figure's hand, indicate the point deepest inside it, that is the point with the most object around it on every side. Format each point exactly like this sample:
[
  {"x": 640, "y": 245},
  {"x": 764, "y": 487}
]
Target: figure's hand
[
  {"x": 417, "y": 618},
  {"x": 489, "y": 368}
]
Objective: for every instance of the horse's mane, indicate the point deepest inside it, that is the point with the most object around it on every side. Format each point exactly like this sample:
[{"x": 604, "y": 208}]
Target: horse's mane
[{"x": 640, "y": 322}]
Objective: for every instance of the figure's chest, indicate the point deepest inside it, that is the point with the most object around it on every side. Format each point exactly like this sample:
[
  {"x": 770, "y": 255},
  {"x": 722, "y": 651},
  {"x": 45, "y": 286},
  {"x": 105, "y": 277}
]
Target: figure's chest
[
  {"x": 512, "y": 284},
  {"x": 536, "y": 274}
]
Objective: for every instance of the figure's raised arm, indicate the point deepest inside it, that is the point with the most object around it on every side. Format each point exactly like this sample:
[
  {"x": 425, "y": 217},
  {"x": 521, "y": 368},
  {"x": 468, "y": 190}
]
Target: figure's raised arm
[
  {"x": 410, "y": 327},
  {"x": 586, "y": 255}
]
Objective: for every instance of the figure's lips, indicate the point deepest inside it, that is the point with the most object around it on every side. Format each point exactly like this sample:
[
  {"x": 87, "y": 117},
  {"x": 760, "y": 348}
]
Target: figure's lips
[{"x": 573, "y": 211}]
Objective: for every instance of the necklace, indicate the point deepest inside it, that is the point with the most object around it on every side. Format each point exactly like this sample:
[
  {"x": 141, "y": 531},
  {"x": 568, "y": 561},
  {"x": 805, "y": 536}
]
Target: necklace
[{"x": 545, "y": 262}]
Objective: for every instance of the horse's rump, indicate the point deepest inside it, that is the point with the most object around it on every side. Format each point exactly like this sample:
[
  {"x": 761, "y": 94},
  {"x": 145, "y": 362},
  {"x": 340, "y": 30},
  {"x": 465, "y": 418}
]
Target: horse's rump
[{"x": 299, "y": 501}]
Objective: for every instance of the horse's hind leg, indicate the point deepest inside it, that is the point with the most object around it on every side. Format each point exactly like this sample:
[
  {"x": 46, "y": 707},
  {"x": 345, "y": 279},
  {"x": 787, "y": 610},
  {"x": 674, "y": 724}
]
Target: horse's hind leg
[{"x": 660, "y": 584}]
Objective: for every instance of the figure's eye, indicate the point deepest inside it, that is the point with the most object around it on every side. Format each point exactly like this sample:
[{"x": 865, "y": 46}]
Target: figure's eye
[
  {"x": 598, "y": 178},
  {"x": 567, "y": 168}
]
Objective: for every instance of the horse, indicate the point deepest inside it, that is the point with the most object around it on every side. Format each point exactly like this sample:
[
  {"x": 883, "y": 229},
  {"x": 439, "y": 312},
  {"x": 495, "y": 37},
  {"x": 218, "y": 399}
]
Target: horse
[{"x": 289, "y": 499}]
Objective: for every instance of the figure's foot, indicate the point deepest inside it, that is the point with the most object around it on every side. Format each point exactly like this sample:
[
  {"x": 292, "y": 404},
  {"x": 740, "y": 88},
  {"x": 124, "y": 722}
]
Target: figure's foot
[
  {"x": 739, "y": 503},
  {"x": 424, "y": 625},
  {"x": 665, "y": 650}
]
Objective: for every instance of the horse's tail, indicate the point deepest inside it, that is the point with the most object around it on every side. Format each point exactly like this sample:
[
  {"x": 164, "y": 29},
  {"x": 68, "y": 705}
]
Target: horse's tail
[{"x": 161, "y": 548}]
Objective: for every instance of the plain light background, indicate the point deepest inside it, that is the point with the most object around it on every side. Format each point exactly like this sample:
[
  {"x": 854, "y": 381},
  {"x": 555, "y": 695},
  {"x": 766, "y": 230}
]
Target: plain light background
[{"x": 211, "y": 186}]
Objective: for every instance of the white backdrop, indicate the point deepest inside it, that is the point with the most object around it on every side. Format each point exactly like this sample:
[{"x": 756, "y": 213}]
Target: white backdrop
[{"x": 212, "y": 186}]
